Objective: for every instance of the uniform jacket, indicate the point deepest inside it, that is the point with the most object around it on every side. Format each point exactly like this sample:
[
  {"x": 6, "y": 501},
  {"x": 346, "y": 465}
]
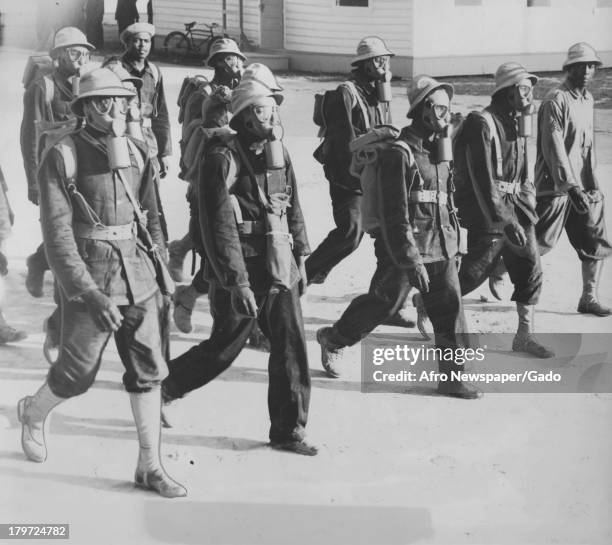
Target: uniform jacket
[
  {"x": 344, "y": 122},
  {"x": 226, "y": 249},
  {"x": 120, "y": 268},
  {"x": 565, "y": 150},
  {"x": 153, "y": 107},
  {"x": 481, "y": 204},
  {"x": 36, "y": 108},
  {"x": 415, "y": 232}
]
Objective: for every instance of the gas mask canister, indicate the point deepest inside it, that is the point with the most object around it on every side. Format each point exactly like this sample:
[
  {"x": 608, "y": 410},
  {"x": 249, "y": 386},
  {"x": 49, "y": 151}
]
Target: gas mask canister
[
  {"x": 436, "y": 117},
  {"x": 108, "y": 115},
  {"x": 520, "y": 97},
  {"x": 377, "y": 69}
]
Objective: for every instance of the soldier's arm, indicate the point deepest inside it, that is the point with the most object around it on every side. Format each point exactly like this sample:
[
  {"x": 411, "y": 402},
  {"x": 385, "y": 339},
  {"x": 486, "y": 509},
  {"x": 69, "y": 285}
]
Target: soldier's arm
[
  {"x": 34, "y": 109},
  {"x": 65, "y": 261},
  {"x": 217, "y": 223},
  {"x": 552, "y": 143},
  {"x": 479, "y": 161},
  {"x": 295, "y": 217},
  {"x": 161, "y": 122},
  {"x": 394, "y": 213}
]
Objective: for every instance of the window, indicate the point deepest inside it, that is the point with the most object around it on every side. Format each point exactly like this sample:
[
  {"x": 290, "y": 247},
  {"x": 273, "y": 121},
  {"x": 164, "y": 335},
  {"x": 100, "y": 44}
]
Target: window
[
  {"x": 353, "y": 3},
  {"x": 538, "y": 3},
  {"x": 468, "y": 2}
]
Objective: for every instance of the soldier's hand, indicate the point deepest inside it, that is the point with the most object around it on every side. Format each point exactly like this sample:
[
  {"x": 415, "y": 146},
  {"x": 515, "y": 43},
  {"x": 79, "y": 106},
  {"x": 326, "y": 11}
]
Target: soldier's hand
[
  {"x": 303, "y": 284},
  {"x": 104, "y": 312},
  {"x": 3, "y": 264},
  {"x": 243, "y": 301},
  {"x": 579, "y": 199},
  {"x": 419, "y": 278},
  {"x": 515, "y": 234},
  {"x": 33, "y": 195},
  {"x": 164, "y": 166}
]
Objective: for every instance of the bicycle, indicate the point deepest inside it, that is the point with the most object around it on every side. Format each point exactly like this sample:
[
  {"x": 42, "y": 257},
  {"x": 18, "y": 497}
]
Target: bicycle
[{"x": 194, "y": 41}]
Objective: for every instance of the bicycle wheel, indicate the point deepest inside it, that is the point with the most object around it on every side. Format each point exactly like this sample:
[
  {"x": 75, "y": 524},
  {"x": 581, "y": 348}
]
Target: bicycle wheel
[{"x": 177, "y": 44}]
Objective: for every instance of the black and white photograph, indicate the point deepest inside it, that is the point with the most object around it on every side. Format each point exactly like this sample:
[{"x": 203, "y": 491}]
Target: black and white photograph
[{"x": 306, "y": 272}]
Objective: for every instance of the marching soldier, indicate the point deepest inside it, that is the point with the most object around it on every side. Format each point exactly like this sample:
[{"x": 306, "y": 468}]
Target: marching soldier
[
  {"x": 255, "y": 241},
  {"x": 415, "y": 237},
  {"x": 568, "y": 194},
  {"x": 94, "y": 188}
]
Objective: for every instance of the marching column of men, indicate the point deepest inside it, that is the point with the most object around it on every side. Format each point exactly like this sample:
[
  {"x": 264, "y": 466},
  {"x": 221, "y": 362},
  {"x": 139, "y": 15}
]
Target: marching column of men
[{"x": 94, "y": 154}]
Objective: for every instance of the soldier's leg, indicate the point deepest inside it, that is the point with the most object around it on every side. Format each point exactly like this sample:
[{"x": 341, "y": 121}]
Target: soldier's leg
[
  {"x": 202, "y": 363},
  {"x": 289, "y": 376},
  {"x": 587, "y": 234},
  {"x": 185, "y": 298},
  {"x": 552, "y": 215},
  {"x": 341, "y": 241},
  {"x": 445, "y": 309},
  {"x": 79, "y": 359},
  {"x": 140, "y": 348},
  {"x": 177, "y": 251},
  {"x": 37, "y": 265},
  {"x": 388, "y": 291},
  {"x": 477, "y": 265},
  {"x": 525, "y": 273}
]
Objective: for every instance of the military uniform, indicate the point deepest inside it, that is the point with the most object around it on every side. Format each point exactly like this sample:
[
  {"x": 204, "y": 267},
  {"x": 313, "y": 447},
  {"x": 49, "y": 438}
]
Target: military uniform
[{"x": 236, "y": 257}]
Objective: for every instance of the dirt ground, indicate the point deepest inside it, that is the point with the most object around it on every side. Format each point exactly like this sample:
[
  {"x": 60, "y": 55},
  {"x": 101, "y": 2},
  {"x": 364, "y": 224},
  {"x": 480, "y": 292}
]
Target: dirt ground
[{"x": 393, "y": 468}]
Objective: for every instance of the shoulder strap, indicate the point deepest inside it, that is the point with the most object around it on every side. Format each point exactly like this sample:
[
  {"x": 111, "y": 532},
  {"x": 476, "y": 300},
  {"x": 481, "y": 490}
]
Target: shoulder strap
[
  {"x": 48, "y": 88},
  {"x": 67, "y": 150},
  {"x": 495, "y": 142},
  {"x": 138, "y": 155},
  {"x": 357, "y": 97}
]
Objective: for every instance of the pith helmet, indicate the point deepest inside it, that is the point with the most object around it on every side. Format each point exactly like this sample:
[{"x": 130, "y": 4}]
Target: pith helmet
[
  {"x": 261, "y": 73},
  {"x": 422, "y": 86},
  {"x": 67, "y": 37},
  {"x": 224, "y": 45},
  {"x": 136, "y": 28},
  {"x": 581, "y": 52},
  {"x": 250, "y": 92},
  {"x": 123, "y": 74},
  {"x": 370, "y": 47},
  {"x": 511, "y": 73},
  {"x": 100, "y": 82}
]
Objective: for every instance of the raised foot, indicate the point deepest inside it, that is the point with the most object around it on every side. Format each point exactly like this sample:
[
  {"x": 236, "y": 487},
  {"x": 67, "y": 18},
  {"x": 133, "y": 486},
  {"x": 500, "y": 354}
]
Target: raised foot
[{"x": 32, "y": 432}]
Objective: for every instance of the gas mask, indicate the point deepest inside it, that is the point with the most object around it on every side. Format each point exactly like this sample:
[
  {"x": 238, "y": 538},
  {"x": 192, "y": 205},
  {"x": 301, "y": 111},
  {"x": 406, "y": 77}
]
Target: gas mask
[
  {"x": 436, "y": 117},
  {"x": 376, "y": 68},
  {"x": 71, "y": 59},
  {"x": 232, "y": 65},
  {"x": 108, "y": 115},
  {"x": 520, "y": 96},
  {"x": 262, "y": 120}
]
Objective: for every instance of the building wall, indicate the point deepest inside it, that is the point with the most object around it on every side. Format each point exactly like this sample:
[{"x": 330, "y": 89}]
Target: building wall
[
  {"x": 322, "y": 27},
  {"x": 477, "y": 38}
]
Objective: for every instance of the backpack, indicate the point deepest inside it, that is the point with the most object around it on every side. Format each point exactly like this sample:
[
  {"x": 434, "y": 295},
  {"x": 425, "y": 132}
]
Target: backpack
[
  {"x": 36, "y": 67},
  {"x": 365, "y": 165},
  {"x": 193, "y": 147},
  {"x": 323, "y": 102},
  {"x": 194, "y": 90}
]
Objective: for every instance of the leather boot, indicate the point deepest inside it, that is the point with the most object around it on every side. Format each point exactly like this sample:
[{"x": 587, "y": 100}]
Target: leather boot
[
  {"x": 331, "y": 352},
  {"x": 184, "y": 299},
  {"x": 177, "y": 251},
  {"x": 591, "y": 275},
  {"x": 525, "y": 340},
  {"x": 35, "y": 277},
  {"x": 32, "y": 412},
  {"x": 453, "y": 387},
  {"x": 423, "y": 322},
  {"x": 150, "y": 474}
]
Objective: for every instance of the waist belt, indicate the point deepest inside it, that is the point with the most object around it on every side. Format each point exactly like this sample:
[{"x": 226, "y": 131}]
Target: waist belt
[
  {"x": 105, "y": 232},
  {"x": 252, "y": 228},
  {"x": 146, "y": 122},
  {"x": 508, "y": 187},
  {"x": 428, "y": 195}
]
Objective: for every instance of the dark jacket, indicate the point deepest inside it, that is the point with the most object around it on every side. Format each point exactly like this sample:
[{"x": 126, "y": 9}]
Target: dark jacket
[
  {"x": 481, "y": 204},
  {"x": 37, "y": 109},
  {"x": 223, "y": 173},
  {"x": 153, "y": 108},
  {"x": 345, "y": 121},
  {"x": 120, "y": 268},
  {"x": 415, "y": 232}
]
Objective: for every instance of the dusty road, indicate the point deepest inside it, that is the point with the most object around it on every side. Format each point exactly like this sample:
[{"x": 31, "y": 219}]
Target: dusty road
[{"x": 392, "y": 468}]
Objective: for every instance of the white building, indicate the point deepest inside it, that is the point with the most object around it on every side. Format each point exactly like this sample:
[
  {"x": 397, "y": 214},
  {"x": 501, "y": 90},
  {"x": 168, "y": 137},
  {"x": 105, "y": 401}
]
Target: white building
[{"x": 438, "y": 37}]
